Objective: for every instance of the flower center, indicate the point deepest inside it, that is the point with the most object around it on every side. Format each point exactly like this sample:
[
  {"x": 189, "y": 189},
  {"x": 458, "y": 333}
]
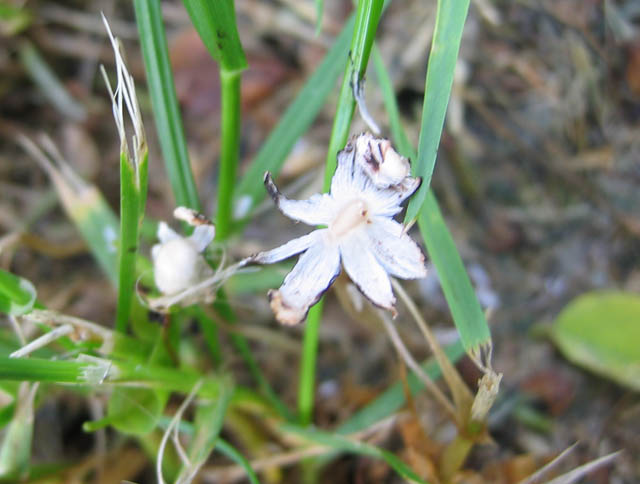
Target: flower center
[{"x": 350, "y": 216}]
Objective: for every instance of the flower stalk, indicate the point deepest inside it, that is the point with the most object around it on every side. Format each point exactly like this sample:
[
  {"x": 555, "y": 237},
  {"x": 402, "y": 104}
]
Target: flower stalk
[{"x": 366, "y": 23}]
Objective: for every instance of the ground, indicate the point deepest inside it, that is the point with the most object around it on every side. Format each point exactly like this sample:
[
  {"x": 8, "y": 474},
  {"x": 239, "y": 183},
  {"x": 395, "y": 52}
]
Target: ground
[{"x": 537, "y": 175}]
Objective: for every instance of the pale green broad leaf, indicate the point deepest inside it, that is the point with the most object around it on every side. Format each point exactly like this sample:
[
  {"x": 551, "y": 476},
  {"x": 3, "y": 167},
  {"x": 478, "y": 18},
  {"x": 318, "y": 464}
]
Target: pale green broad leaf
[
  {"x": 135, "y": 411},
  {"x": 600, "y": 331}
]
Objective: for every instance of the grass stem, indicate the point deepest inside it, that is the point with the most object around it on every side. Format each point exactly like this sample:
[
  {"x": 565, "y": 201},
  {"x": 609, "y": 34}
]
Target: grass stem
[
  {"x": 229, "y": 151},
  {"x": 306, "y": 388}
]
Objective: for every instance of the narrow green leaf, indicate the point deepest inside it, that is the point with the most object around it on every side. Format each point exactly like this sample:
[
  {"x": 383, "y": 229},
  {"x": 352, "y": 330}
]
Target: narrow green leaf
[
  {"x": 15, "y": 452},
  {"x": 209, "y": 330},
  {"x": 235, "y": 455},
  {"x": 164, "y": 102},
  {"x": 216, "y": 24},
  {"x": 229, "y": 150},
  {"x": 96, "y": 371},
  {"x": 463, "y": 302},
  {"x": 402, "y": 143},
  {"x": 50, "y": 86},
  {"x": 343, "y": 444},
  {"x": 129, "y": 222},
  {"x": 295, "y": 121},
  {"x": 600, "y": 331},
  {"x": 17, "y": 295},
  {"x": 319, "y": 14},
  {"x": 450, "y": 18},
  {"x": 6, "y": 414},
  {"x": 98, "y": 225},
  {"x": 366, "y": 24},
  {"x": 35, "y": 369},
  {"x": 208, "y": 424}
]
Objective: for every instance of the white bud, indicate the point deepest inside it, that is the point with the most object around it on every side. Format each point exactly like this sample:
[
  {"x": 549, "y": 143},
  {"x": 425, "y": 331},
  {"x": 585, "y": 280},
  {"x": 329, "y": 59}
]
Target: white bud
[
  {"x": 177, "y": 261},
  {"x": 177, "y": 265}
]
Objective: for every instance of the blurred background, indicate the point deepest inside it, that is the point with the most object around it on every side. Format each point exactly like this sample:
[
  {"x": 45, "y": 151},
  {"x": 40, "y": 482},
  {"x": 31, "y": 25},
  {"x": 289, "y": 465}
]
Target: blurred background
[{"x": 538, "y": 175}]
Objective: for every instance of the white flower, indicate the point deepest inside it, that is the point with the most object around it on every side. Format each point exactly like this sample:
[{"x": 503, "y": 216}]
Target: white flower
[
  {"x": 370, "y": 183},
  {"x": 177, "y": 261}
]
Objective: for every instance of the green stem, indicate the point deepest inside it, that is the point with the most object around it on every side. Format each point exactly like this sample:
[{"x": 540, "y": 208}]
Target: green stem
[
  {"x": 367, "y": 17},
  {"x": 306, "y": 389},
  {"x": 366, "y": 23},
  {"x": 129, "y": 216},
  {"x": 454, "y": 456},
  {"x": 229, "y": 151}
]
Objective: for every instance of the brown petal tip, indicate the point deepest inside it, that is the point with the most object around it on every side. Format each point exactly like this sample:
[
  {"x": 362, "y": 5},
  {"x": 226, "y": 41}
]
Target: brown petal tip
[{"x": 284, "y": 313}]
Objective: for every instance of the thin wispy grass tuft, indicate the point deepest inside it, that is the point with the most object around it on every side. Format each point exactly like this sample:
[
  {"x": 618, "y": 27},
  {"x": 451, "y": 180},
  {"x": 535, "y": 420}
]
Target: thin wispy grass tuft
[{"x": 134, "y": 169}]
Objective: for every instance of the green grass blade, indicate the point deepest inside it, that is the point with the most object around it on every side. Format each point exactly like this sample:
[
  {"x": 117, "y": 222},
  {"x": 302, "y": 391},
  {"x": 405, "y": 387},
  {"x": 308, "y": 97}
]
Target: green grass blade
[
  {"x": 296, "y": 119},
  {"x": 366, "y": 23},
  {"x": 208, "y": 424},
  {"x": 367, "y": 17},
  {"x": 319, "y": 14},
  {"x": 398, "y": 134},
  {"x": 463, "y": 302},
  {"x": 96, "y": 371},
  {"x": 307, "y": 378},
  {"x": 129, "y": 221},
  {"x": 343, "y": 444},
  {"x": 15, "y": 452},
  {"x": 99, "y": 227},
  {"x": 83, "y": 203},
  {"x": 216, "y": 24},
  {"x": 210, "y": 332},
  {"x": 45, "y": 78},
  {"x": 34, "y": 369},
  {"x": 232, "y": 453},
  {"x": 450, "y": 18},
  {"x": 164, "y": 102},
  {"x": 17, "y": 295},
  {"x": 229, "y": 150}
]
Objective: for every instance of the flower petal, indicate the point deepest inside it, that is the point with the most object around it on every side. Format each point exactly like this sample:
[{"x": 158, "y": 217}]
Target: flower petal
[
  {"x": 382, "y": 164},
  {"x": 166, "y": 233},
  {"x": 317, "y": 210},
  {"x": 365, "y": 271},
  {"x": 342, "y": 183},
  {"x": 304, "y": 285},
  {"x": 202, "y": 236},
  {"x": 289, "y": 249},
  {"x": 396, "y": 251},
  {"x": 387, "y": 202}
]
